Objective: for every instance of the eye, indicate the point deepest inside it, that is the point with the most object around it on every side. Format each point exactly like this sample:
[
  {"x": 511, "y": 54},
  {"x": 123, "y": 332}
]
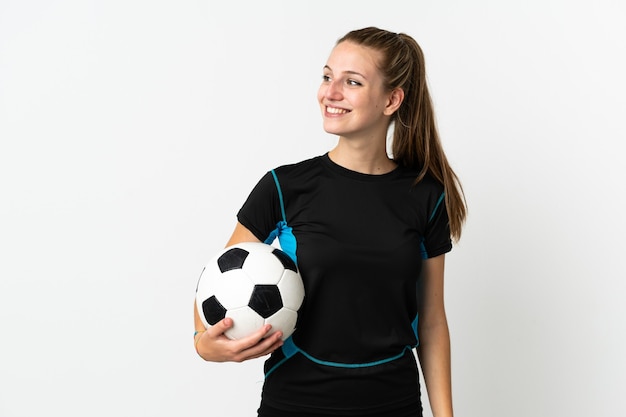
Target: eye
[
  {"x": 353, "y": 82},
  {"x": 325, "y": 78}
]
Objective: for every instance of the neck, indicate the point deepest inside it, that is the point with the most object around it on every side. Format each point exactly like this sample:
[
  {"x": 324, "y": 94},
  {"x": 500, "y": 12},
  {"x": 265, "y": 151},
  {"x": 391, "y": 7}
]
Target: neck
[{"x": 366, "y": 158}]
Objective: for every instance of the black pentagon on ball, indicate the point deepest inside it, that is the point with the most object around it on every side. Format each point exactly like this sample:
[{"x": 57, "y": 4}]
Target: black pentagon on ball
[
  {"x": 265, "y": 300},
  {"x": 213, "y": 311},
  {"x": 284, "y": 259},
  {"x": 232, "y": 259}
]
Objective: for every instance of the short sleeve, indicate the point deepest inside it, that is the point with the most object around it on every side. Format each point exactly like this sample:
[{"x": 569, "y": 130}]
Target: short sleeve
[
  {"x": 437, "y": 239},
  {"x": 261, "y": 211}
]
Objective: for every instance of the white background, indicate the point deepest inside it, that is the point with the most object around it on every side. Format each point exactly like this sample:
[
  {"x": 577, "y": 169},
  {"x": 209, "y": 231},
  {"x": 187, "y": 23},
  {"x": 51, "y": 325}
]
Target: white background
[{"x": 131, "y": 132}]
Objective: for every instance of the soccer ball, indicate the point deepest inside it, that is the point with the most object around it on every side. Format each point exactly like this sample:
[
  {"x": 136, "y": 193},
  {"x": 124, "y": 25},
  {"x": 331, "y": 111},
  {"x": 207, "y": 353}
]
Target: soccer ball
[{"x": 253, "y": 283}]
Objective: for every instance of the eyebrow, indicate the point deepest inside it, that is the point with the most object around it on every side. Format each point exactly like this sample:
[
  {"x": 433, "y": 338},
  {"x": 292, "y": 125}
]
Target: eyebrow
[{"x": 347, "y": 72}]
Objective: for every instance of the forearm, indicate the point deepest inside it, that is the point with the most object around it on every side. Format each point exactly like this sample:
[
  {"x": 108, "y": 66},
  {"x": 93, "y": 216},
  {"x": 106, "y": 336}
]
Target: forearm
[{"x": 434, "y": 356}]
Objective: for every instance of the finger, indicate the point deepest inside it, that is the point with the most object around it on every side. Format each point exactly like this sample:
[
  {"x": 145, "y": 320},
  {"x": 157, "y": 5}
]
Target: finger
[
  {"x": 254, "y": 338},
  {"x": 272, "y": 347},
  {"x": 264, "y": 347},
  {"x": 220, "y": 327}
]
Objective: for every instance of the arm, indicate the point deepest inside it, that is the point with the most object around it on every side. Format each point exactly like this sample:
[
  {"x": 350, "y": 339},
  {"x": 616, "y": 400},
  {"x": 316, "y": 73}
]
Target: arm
[
  {"x": 212, "y": 345},
  {"x": 434, "y": 348}
]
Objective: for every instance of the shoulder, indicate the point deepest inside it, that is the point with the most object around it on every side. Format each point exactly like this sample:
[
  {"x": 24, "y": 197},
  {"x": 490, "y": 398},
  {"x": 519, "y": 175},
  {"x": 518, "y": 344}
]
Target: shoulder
[
  {"x": 427, "y": 195},
  {"x": 428, "y": 184},
  {"x": 297, "y": 167},
  {"x": 300, "y": 172}
]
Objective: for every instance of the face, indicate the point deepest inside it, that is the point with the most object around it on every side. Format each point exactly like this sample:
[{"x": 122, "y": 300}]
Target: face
[{"x": 352, "y": 98}]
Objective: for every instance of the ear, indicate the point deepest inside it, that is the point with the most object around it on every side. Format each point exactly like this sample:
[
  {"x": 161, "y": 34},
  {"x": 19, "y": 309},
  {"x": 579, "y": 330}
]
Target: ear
[{"x": 395, "y": 100}]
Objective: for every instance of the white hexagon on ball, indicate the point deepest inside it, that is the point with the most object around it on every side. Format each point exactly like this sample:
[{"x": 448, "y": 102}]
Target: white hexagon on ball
[
  {"x": 291, "y": 284},
  {"x": 244, "y": 319},
  {"x": 233, "y": 289},
  {"x": 285, "y": 320}
]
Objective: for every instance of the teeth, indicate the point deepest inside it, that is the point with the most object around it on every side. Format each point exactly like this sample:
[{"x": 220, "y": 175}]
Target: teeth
[{"x": 334, "y": 110}]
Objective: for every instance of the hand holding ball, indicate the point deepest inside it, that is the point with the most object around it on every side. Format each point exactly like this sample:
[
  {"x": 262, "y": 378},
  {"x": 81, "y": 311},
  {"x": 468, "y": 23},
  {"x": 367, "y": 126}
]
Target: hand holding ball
[{"x": 254, "y": 284}]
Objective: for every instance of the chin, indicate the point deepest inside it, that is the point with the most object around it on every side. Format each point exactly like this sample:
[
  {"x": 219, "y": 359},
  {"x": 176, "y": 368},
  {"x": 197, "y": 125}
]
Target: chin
[{"x": 333, "y": 130}]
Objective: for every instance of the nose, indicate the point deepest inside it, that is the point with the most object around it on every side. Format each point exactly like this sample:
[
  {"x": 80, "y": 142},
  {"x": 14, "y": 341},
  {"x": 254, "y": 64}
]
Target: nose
[{"x": 333, "y": 90}]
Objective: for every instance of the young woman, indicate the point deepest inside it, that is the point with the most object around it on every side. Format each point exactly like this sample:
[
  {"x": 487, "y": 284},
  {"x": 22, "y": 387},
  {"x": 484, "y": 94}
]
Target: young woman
[{"x": 369, "y": 233}]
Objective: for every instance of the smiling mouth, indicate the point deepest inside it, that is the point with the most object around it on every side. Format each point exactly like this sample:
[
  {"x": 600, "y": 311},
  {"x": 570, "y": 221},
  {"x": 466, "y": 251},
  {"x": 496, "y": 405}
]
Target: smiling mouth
[{"x": 335, "y": 110}]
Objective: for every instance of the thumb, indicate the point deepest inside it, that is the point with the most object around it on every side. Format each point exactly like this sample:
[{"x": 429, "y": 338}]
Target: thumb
[{"x": 223, "y": 325}]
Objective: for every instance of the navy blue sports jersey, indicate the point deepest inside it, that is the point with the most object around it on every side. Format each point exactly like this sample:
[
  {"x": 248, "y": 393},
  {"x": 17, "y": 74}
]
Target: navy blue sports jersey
[{"x": 359, "y": 241}]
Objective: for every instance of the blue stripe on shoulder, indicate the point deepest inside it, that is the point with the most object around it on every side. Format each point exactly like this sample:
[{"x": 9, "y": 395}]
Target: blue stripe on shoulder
[
  {"x": 283, "y": 232},
  {"x": 439, "y": 201},
  {"x": 423, "y": 251},
  {"x": 280, "y": 196}
]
